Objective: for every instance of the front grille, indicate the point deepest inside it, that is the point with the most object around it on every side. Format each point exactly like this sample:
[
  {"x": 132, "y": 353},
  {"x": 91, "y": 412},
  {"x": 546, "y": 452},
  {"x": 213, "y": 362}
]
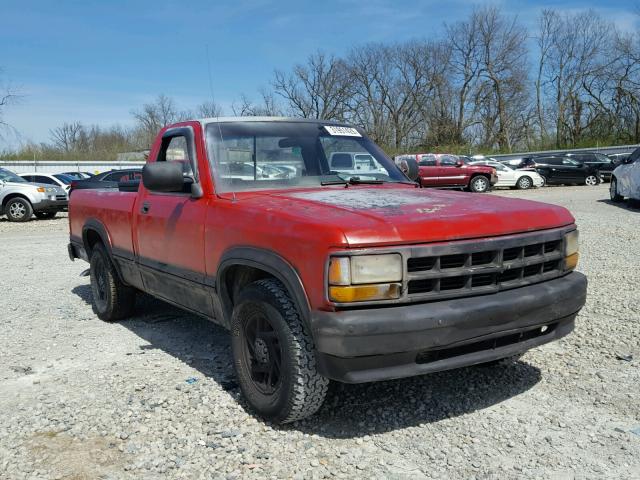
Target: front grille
[
  {"x": 467, "y": 268},
  {"x": 61, "y": 198}
]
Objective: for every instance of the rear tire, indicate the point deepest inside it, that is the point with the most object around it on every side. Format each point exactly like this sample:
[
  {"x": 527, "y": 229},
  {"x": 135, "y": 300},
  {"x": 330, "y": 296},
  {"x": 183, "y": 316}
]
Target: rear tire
[
  {"x": 613, "y": 191},
  {"x": 479, "y": 184},
  {"x": 524, "y": 183},
  {"x": 591, "y": 180},
  {"x": 274, "y": 355},
  {"x": 112, "y": 299},
  {"x": 45, "y": 215},
  {"x": 18, "y": 210}
]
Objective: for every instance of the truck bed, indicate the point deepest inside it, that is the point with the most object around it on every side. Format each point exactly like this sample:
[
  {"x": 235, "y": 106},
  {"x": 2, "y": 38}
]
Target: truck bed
[{"x": 111, "y": 207}]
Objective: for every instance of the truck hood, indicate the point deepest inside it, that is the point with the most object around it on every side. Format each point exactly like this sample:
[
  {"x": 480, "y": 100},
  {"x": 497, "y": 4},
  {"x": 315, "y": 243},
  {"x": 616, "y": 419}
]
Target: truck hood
[{"x": 385, "y": 215}]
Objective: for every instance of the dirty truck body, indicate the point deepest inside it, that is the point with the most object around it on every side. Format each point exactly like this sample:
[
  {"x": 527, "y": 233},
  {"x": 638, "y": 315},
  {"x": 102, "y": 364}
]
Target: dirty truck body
[{"x": 326, "y": 276}]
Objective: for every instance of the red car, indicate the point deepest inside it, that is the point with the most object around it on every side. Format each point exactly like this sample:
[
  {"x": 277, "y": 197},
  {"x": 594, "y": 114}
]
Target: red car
[
  {"x": 352, "y": 275},
  {"x": 449, "y": 171}
]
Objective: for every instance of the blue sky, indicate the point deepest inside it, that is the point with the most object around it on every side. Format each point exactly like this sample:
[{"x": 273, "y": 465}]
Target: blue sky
[{"x": 95, "y": 61}]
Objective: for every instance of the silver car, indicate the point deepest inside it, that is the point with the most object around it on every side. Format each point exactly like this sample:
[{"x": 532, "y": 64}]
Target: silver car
[
  {"x": 19, "y": 199},
  {"x": 625, "y": 179}
]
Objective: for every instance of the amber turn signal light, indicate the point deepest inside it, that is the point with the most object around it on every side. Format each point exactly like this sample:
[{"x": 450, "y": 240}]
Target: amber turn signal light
[
  {"x": 363, "y": 293},
  {"x": 571, "y": 262}
]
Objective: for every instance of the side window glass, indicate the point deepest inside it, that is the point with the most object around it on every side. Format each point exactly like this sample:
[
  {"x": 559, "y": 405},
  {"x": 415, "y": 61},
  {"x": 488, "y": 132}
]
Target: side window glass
[
  {"x": 176, "y": 150},
  {"x": 427, "y": 161},
  {"x": 43, "y": 179},
  {"x": 635, "y": 156},
  {"x": 447, "y": 161}
]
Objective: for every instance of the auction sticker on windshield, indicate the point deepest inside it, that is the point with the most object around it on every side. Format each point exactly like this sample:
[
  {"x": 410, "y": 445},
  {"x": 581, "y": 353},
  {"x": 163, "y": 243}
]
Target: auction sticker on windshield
[{"x": 342, "y": 131}]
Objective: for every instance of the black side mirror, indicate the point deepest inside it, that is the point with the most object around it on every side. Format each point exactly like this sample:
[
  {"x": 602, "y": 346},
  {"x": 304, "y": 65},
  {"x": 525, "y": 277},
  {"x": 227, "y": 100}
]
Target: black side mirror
[{"x": 163, "y": 177}]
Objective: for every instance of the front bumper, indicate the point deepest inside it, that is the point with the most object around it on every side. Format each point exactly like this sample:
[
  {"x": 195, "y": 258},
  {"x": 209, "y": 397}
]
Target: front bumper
[
  {"x": 48, "y": 205},
  {"x": 365, "y": 345}
]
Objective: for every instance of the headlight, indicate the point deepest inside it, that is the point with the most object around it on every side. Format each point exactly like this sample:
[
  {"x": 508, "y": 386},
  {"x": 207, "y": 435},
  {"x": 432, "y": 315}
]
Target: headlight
[
  {"x": 571, "y": 250},
  {"x": 365, "y": 277}
]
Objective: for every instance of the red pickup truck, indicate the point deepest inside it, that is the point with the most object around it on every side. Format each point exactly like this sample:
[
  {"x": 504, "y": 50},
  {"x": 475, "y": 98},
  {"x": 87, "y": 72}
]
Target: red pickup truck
[
  {"x": 352, "y": 275},
  {"x": 449, "y": 171}
]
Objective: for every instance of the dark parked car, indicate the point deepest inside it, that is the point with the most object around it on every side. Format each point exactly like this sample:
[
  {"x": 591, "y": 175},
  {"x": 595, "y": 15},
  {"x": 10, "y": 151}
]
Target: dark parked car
[
  {"x": 79, "y": 175},
  {"x": 558, "y": 170},
  {"x": 520, "y": 163},
  {"x": 111, "y": 179},
  {"x": 598, "y": 160},
  {"x": 619, "y": 158}
]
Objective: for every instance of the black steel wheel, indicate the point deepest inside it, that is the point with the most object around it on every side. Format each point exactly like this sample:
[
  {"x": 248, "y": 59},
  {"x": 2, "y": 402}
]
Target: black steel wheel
[
  {"x": 112, "y": 299},
  {"x": 274, "y": 355}
]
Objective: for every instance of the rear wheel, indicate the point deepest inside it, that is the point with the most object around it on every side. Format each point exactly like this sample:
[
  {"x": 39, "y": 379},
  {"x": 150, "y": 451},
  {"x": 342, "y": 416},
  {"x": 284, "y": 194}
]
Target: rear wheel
[
  {"x": 613, "y": 191},
  {"x": 479, "y": 184},
  {"x": 591, "y": 180},
  {"x": 112, "y": 299},
  {"x": 524, "y": 183},
  {"x": 45, "y": 215},
  {"x": 18, "y": 210},
  {"x": 274, "y": 355}
]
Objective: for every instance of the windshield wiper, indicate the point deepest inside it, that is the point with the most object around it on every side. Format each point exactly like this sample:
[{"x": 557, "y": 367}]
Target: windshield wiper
[{"x": 354, "y": 180}]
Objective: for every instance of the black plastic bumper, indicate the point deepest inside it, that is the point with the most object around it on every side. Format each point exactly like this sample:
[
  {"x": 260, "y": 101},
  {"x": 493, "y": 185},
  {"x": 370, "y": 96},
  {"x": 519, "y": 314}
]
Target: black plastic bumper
[
  {"x": 367, "y": 345},
  {"x": 51, "y": 205}
]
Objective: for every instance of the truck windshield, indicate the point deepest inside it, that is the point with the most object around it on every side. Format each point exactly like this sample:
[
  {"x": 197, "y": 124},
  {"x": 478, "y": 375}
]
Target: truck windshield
[
  {"x": 8, "y": 176},
  {"x": 254, "y": 155}
]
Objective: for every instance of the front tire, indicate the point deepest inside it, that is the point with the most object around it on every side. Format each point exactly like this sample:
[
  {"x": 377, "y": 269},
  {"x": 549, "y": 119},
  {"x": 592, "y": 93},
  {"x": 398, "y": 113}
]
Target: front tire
[
  {"x": 613, "y": 191},
  {"x": 274, "y": 355},
  {"x": 45, "y": 215},
  {"x": 112, "y": 299},
  {"x": 479, "y": 184},
  {"x": 18, "y": 210},
  {"x": 524, "y": 183}
]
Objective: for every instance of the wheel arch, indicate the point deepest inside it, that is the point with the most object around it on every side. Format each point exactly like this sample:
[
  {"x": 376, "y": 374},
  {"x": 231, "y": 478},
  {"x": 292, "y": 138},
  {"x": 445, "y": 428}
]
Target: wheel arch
[
  {"x": 243, "y": 265},
  {"x": 11, "y": 196}
]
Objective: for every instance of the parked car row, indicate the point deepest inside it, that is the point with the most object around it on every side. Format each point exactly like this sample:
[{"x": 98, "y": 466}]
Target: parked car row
[{"x": 45, "y": 194}]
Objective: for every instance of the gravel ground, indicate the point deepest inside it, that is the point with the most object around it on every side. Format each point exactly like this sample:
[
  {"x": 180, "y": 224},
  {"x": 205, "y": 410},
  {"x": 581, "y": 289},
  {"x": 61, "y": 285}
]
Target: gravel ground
[{"x": 155, "y": 396}]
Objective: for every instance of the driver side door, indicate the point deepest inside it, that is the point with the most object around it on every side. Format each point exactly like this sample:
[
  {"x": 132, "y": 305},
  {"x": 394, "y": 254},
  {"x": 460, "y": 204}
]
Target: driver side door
[{"x": 170, "y": 231}]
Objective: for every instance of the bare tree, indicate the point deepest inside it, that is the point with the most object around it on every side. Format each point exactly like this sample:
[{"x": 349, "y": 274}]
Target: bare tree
[
  {"x": 463, "y": 38},
  {"x": 8, "y": 96},
  {"x": 208, "y": 109},
  {"x": 268, "y": 107},
  {"x": 504, "y": 66},
  {"x": 67, "y": 137},
  {"x": 154, "y": 116},
  {"x": 317, "y": 89}
]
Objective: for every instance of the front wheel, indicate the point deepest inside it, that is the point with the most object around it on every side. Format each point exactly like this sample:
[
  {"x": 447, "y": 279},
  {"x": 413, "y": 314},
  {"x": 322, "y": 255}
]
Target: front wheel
[
  {"x": 591, "y": 180},
  {"x": 613, "y": 191},
  {"x": 45, "y": 215},
  {"x": 18, "y": 210},
  {"x": 479, "y": 184},
  {"x": 274, "y": 355},
  {"x": 524, "y": 183}
]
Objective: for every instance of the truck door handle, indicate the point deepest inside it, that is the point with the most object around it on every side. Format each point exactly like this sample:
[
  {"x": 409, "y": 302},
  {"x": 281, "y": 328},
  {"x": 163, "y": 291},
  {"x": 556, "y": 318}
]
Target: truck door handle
[{"x": 145, "y": 208}]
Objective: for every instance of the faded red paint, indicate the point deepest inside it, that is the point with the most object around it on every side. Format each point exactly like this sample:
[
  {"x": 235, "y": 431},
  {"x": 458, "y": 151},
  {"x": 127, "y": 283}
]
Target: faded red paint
[{"x": 303, "y": 225}]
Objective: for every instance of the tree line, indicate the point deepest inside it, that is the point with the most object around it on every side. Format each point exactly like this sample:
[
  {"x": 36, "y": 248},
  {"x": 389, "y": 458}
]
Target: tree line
[{"x": 487, "y": 84}]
